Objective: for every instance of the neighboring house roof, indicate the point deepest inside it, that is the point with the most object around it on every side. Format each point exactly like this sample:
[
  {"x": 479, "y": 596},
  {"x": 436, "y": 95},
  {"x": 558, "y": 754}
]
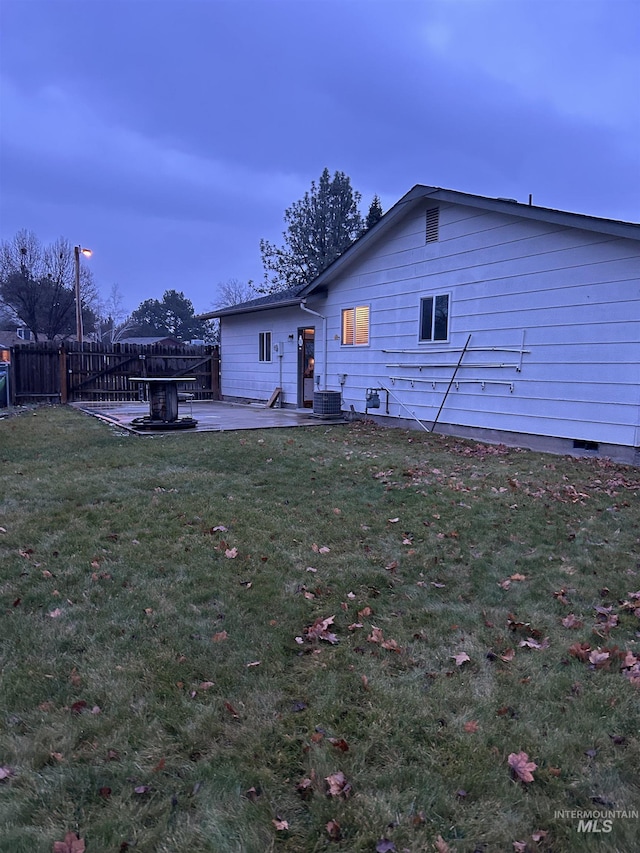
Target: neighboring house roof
[
  {"x": 419, "y": 195},
  {"x": 146, "y": 341},
  {"x": 11, "y": 339}
]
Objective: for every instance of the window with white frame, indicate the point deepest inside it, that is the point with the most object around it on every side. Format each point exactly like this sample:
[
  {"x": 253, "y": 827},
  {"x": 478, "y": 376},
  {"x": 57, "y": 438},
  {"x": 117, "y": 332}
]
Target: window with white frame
[
  {"x": 264, "y": 346},
  {"x": 355, "y": 326},
  {"x": 434, "y": 318}
]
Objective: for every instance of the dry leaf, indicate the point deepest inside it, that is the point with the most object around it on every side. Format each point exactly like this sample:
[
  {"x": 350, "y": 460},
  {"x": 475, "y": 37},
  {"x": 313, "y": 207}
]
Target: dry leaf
[
  {"x": 6, "y": 773},
  {"x": 441, "y": 845},
  {"x": 231, "y": 553},
  {"x": 460, "y": 658},
  {"x": 598, "y": 658},
  {"x": 220, "y": 636},
  {"x": 508, "y": 655},
  {"x": 471, "y": 727},
  {"x": 71, "y": 844},
  {"x": 391, "y": 645},
  {"x": 376, "y": 635},
  {"x": 280, "y": 824},
  {"x": 532, "y": 643},
  {"x": 254, "y": 663},
  {"x": 339, "y": 743},
  {"x": 333, "y": 830},
  {"x": 337, "y": 785},
  {"x": 571, "y": 621},
  {"x": 520, "y": 846},
  {"x": 54, "y": 615},
  {"x": 521, "y": 766},
  {"x": 539, "y": 835},
  {"x": 318, "y": 631}
]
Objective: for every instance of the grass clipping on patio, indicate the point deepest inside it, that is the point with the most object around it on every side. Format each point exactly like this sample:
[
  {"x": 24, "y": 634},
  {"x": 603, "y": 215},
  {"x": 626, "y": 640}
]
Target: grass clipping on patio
[{"x": 334, "y": 638}]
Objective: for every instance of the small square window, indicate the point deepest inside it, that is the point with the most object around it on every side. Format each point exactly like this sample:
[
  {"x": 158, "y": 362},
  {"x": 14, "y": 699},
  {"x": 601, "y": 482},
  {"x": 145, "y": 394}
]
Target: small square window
[
  {"x": 264, "y": 346},
  {"x": 355, "y": 326},
  {"x": 434, "y": 318}
]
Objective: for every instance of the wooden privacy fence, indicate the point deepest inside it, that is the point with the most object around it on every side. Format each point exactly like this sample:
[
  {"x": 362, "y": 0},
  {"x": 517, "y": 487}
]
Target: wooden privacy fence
[{"x": 72, "y": 372}]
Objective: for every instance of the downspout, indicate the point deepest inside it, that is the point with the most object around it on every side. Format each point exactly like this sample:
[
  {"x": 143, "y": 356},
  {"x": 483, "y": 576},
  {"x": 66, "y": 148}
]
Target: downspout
[{"x": 303, "y": 307}]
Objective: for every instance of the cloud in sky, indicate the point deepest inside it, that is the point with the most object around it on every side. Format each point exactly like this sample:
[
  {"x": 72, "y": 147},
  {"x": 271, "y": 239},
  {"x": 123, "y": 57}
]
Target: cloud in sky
[{"x": 170, "y": 136}]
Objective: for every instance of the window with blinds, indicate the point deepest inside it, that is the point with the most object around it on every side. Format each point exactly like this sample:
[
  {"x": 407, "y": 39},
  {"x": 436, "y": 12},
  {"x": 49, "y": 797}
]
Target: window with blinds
[
  {"x": 433, "y": 225},
  {"x": 355, "y": 326}
]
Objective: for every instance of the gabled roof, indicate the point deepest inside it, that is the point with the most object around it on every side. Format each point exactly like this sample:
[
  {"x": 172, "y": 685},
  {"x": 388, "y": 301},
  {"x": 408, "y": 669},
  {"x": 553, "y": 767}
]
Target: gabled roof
[{"x": 421, "y": 195}]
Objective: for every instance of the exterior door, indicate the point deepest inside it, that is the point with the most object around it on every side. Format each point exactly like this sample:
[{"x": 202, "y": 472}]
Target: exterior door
[{"x": 306, "y": 366}]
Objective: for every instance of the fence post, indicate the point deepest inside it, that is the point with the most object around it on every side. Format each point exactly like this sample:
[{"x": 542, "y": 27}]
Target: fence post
[{"x": 64, "y": 377}]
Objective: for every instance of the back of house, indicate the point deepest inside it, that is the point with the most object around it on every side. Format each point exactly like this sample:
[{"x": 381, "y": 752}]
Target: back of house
[{"x": 490, "y": 318}]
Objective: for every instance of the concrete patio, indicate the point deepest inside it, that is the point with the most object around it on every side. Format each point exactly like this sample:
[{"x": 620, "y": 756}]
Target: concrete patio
[{"x": 212, "y": 416}]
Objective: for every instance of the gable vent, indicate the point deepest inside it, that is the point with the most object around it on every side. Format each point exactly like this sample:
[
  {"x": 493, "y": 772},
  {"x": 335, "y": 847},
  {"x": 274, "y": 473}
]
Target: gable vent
[{"x": 433, "y": 220}]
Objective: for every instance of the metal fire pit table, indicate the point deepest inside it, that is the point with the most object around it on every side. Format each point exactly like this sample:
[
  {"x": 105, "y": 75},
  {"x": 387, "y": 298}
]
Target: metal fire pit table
[{"x": 163, "y": 404}]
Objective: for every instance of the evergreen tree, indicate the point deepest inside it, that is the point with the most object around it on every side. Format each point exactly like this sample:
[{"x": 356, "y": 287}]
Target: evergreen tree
[
  {"x": 375, "y": 213},
  {"x": 173, "y": 315},
  {"x": 320, "y": 227}
]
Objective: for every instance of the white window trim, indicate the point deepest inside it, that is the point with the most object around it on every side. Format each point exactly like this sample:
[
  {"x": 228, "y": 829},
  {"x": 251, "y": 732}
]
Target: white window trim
[
  {"x": 262, "y": 338},
  {"x": 432, "y": 341},
  {"x": 354, "y": 308}
]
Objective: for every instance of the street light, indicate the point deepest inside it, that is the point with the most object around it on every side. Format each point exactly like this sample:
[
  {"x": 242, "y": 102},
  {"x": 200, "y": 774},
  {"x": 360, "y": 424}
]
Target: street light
[{"x": 87, "y": 253}]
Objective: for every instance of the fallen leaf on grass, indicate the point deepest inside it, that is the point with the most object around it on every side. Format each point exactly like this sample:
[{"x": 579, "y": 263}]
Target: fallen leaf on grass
[
  {"x": 461, "y": 658},
  {"x": 6, "y": 773},
  {"x": 532, "y": 643},
  {"x": 141, "y": 789},
  {"x": 539, "y": 835},
  {"x": 598, "y": 658},
  {"x": 571, "y": 621},
  {"x": 54, "y": 615},
  {"x": 339, "y": 743},
  {"x": 508, "y": 656},
  {"x": 305, "y": 788},
  {"x": 471, "y": 727},
  {"x": 231, "y": 553},
  {"x": 385, "y": 846},
  {"x": 520, "y": 846},
  {"x": 333, "y": 830},
  {"x": 521, "y": 766},
  {"x": 319, "y": 631},
  {"x": 441, "y": 845},
  {"x": 376, "y": 635},
  {"x": 232, "y": 710},
  {"x": 580, "y": 651},
  {"x": 205, "y": 685},
  {"x": 337, "y": 785},
  {"x": 320, "y": 549},
  {"x": 280, "y": 825},
  {"x": 71, "y": 844},
  {"x": 220, "y": 636},
  {"x": 254, "y": 663}
]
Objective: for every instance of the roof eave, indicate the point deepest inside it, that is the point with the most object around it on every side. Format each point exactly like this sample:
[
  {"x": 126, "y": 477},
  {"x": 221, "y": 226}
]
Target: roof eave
[{"x": 248, "y": 309}]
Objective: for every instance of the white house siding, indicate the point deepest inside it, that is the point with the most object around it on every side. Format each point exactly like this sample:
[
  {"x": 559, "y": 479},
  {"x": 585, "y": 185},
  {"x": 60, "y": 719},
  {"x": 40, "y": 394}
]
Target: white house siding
[
  {"x": 243, "y": 376},
  {"x": 574, "y": 295}
]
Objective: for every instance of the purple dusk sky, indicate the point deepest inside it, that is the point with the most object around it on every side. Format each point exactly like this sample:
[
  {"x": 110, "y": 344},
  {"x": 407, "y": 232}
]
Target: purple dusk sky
[{"x": 170, "y": 135}]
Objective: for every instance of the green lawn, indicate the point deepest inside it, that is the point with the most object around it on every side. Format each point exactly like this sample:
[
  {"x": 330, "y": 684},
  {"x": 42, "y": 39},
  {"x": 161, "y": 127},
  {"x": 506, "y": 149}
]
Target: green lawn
[{"x": 323, "y": 639}]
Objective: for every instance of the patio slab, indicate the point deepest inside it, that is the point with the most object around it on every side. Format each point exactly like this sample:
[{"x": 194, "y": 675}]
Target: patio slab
[{"x": 212, "y": 416}]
